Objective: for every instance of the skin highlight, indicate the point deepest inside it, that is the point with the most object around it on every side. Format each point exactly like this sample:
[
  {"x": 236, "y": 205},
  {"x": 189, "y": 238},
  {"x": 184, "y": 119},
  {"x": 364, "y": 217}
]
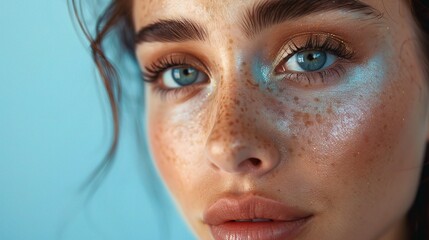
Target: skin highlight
[{"x": 350, "y": 152}]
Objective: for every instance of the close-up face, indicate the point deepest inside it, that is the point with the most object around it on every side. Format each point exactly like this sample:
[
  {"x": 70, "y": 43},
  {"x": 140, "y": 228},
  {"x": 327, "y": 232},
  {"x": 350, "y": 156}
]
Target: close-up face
[{"x": 285, "y": 119}]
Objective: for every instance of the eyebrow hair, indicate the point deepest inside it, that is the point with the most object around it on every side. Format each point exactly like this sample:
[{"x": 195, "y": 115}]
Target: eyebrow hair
[
  {"x": 255, "y": 19},
  {"x": 171, "y": 30},
  {"x": 271, "y": 12}
]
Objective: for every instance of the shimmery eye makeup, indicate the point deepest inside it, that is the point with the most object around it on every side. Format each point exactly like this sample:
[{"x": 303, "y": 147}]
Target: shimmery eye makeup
[
  {"x": 304, "y": 60},
  {"x": 312, "y": 59}
]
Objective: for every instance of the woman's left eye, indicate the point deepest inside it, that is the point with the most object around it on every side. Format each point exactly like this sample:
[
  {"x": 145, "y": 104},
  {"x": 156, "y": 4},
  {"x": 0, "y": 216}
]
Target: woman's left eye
[
  {"x": 309, "y": 61},
  {"x": 177, "y": 77}
]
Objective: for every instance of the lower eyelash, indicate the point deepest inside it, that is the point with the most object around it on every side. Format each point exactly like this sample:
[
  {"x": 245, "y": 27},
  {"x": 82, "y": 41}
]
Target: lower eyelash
[
  {"x": 315, "y": 78},
  {"x": 174, "y": 93},
  {"x": 162, "y": 92}
]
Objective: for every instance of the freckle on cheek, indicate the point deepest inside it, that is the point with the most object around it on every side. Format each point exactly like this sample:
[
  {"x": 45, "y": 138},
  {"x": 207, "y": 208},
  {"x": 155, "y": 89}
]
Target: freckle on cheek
[
  {"x": 306, "y": 119},
  {"x": 319, "y": 118},
  {"x": 296, "y": 99},
  {"x": 329, "y": 110}
]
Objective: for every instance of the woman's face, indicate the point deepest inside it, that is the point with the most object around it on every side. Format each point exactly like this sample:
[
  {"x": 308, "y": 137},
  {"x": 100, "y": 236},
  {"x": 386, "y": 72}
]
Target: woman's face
[{"x": 309, "y": 117}]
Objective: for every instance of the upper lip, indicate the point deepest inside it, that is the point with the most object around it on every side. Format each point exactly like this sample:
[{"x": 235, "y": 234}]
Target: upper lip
[{"x": 251, "y": 207}]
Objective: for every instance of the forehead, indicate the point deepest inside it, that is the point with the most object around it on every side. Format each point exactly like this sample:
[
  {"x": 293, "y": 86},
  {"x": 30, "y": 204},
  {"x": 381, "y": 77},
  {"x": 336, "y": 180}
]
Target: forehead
[
  {"x": 225, "y": 11},
  {"x": 148, "y": 11}
]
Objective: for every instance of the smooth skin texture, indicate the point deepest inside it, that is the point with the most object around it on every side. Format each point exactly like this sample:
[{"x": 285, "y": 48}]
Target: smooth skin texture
[{"x": 348, "y": 149}]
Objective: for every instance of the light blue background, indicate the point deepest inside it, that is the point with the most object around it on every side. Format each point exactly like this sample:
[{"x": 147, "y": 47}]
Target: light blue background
[{"x": 55, "y": 128}]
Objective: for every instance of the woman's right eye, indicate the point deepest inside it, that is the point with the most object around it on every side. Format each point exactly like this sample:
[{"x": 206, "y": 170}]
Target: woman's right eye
[{"x": 177, "y": 77}]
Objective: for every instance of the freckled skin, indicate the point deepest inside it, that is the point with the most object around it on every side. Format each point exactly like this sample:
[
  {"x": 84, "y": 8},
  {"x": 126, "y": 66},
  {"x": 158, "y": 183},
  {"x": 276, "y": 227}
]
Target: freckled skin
[{"x": 350, "y": 153}]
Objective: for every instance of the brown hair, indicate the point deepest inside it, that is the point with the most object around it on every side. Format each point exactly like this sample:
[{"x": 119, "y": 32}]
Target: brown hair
[
  {"x": 117, "y": 17},
  {"x": 418, "y": 216}
]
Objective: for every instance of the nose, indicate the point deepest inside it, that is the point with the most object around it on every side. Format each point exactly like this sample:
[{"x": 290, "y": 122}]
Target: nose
[{"x": 239, "y": 141}]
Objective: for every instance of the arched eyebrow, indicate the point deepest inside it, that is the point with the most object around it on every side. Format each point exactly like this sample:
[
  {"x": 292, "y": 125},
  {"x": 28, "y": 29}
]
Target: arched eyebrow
[
  {"x": 271, "y": 12},
  {"x": 171, "y": 30},
  {"x": 261, "y": 16}
]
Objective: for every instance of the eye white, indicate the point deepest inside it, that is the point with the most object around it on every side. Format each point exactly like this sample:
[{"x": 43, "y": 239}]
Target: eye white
[
  {"x": 169, "y": 82},
  {"x": 293, "y": 65}
]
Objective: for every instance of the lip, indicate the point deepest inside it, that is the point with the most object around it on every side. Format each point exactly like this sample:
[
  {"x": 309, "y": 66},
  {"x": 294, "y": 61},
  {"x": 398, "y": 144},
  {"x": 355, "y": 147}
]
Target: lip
[{"x": 285, "y": 222}]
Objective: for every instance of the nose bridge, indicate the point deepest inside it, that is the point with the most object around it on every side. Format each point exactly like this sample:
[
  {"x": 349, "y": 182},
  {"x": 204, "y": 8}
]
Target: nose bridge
[
  {"x": 235, "y": 142},
  {"x": 231, "y": 114}
]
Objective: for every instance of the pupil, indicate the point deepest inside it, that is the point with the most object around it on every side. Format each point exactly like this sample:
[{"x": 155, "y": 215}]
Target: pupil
[
  {"x": 185, "y": 76},
  {"x": 310, "y": 57},
  {"x": 312, "y": 60}
]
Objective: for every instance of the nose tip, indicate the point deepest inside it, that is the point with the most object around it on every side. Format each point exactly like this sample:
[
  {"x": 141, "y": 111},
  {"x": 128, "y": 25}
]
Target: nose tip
[{"x": 242, "y": 158}]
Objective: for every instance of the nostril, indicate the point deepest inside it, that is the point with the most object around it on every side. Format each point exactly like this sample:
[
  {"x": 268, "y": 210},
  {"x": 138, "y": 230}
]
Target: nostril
[
  {"x": 250, "y": 163},
  {"x": 255, "y": 162}
]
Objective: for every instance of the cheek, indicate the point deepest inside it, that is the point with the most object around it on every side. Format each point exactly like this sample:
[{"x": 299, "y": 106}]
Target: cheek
[
  {"x": 369, "y": 143},
  {"x": 362, "y": 153},
  {"x": 380, "y": 140},
  {"x": 177, "y": 142}
]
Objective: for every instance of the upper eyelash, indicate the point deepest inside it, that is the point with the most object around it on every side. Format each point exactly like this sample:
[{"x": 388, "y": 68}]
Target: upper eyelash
[
  {"x": 315, "y": 43},
  {"x": 152, "y": 72}
]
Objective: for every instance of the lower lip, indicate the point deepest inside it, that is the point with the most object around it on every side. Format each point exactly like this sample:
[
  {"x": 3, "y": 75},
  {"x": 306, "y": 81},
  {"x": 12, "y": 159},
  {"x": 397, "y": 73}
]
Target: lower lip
[{"x": 258, "y": 230}]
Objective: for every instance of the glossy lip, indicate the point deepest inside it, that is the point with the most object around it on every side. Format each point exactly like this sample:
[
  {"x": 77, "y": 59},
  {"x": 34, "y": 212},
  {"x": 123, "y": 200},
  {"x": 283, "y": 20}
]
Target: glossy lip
[{"x": 285, "y": 222}]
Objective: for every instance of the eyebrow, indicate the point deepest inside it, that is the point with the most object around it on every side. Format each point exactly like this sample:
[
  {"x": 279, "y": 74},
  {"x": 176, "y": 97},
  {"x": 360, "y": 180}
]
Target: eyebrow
[
  {"x": 255, "y": 19},
  {"x": 272, "y": 12},
  {"x": 171, "y": 30}
]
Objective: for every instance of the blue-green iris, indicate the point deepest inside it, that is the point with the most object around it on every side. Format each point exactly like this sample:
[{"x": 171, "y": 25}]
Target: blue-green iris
[
  {"x": 184, "y": 75},
  {"x": 312, "y": 60}
]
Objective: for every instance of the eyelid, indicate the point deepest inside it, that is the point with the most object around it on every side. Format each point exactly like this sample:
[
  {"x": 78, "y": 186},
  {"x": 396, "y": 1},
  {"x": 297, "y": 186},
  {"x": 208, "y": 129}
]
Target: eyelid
[
  {"x": 155, "y": 68},
  {"x": 300, "y": 41}
]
